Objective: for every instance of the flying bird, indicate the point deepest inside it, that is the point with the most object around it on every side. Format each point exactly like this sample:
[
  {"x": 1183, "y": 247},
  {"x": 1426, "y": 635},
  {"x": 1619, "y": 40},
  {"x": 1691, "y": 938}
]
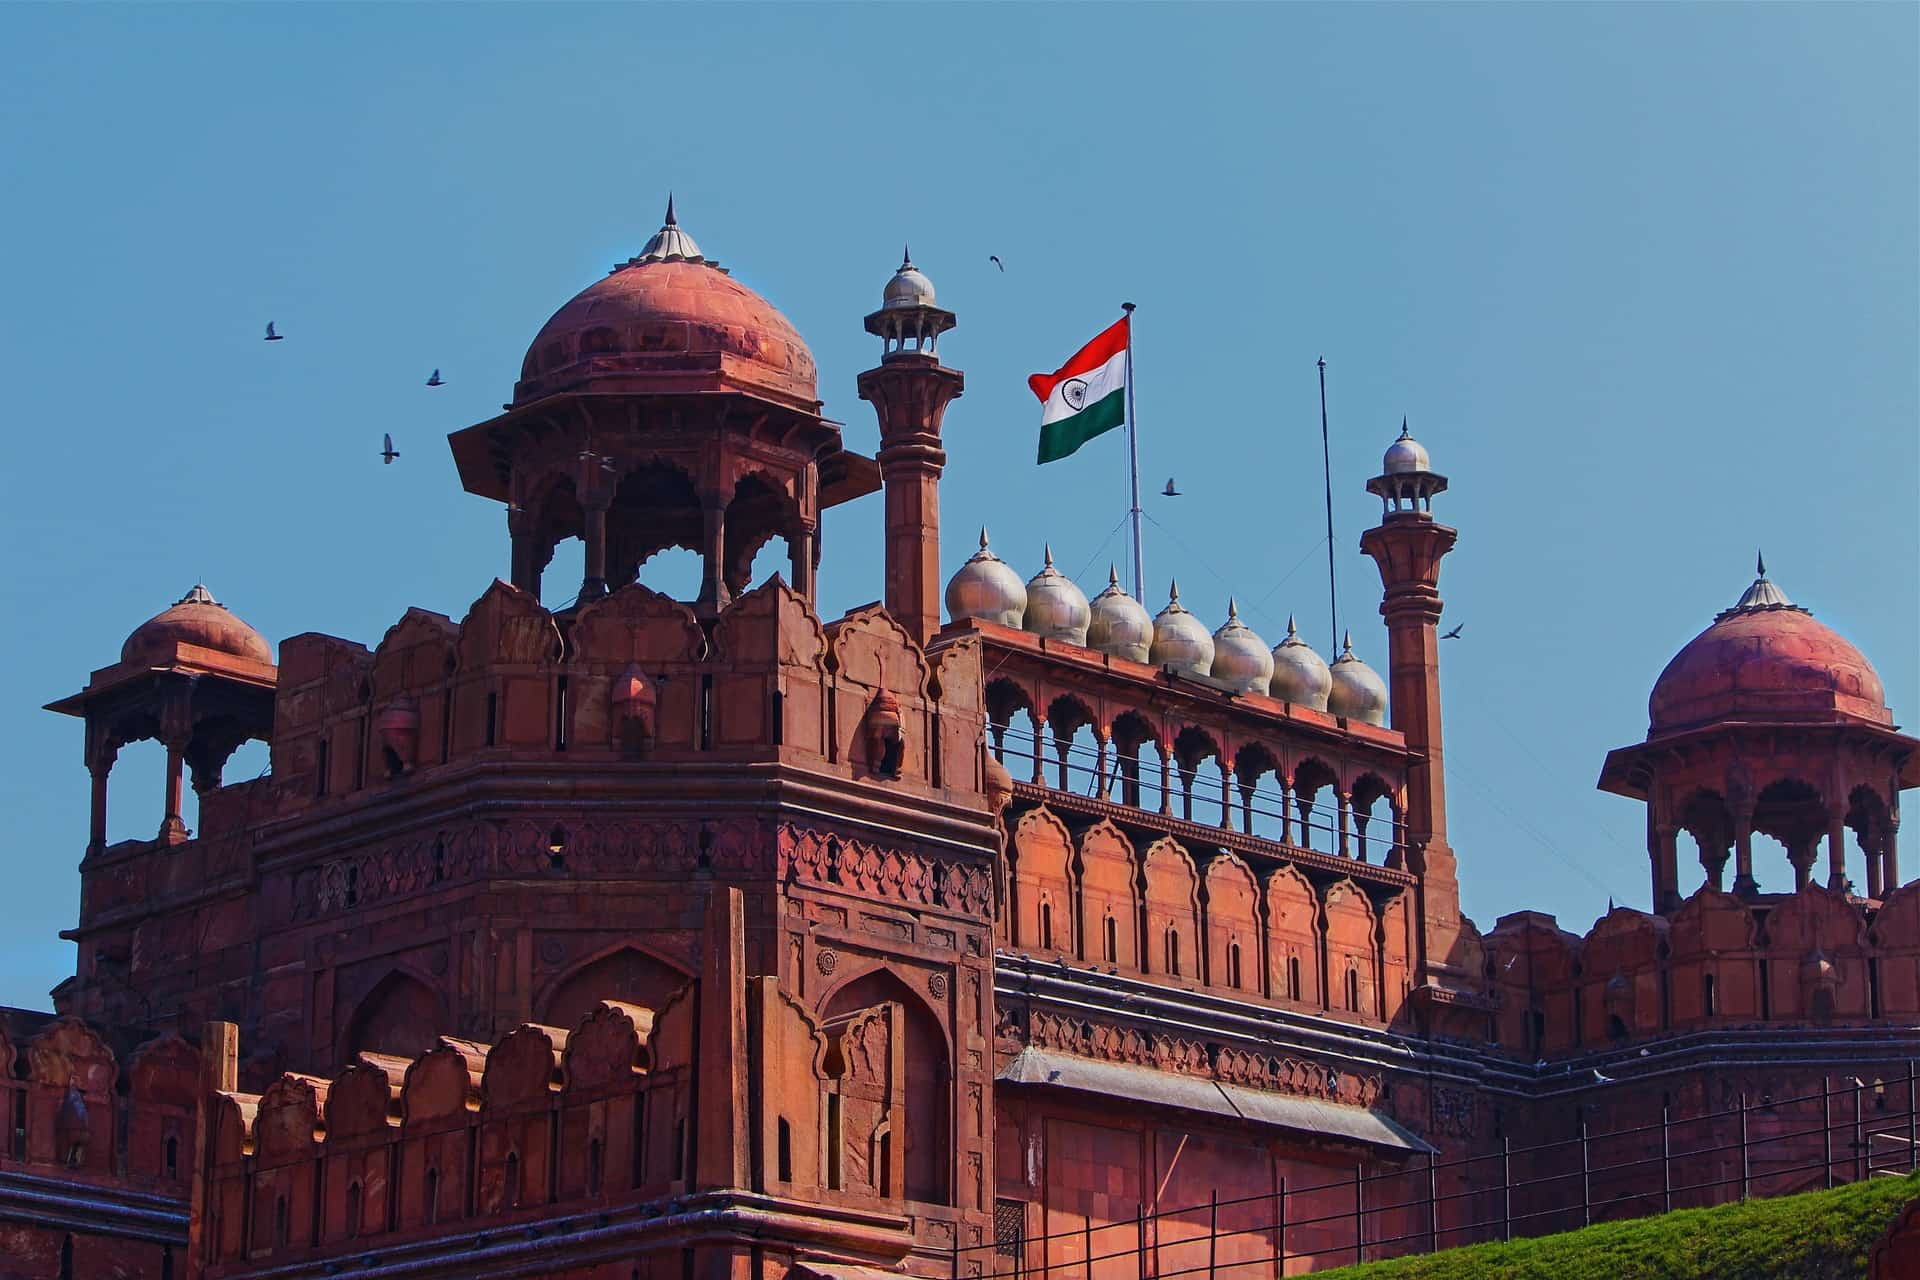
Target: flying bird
[
  {"x": 1169, "y": 491},
  {"x": 387, "y": 452},
  {"x": 1600, "y": 1079},
  {"x": 994, "y": 258},
  {"x": 1453, "y": 634},
  {"x": 271, "y": 335},
  {"x": 436, "y": 380}
]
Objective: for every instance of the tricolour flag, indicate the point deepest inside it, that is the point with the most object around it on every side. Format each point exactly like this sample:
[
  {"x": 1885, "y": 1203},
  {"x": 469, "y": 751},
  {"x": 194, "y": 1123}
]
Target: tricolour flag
[{"x": 1085, "y": 396}]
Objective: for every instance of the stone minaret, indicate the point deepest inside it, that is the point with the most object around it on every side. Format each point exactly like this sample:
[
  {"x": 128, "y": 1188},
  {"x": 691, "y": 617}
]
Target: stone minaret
[
  {"x": 1408, "y": 544},
  {"x": 910, "y": 391}
]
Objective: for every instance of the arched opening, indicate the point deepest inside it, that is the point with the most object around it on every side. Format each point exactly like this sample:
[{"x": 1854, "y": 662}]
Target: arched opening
[
  {"x": 430, "y": 1194},
  {"x": 1074, "y": 747},
  {"x": 655, "y": 508},
  {"x": 1233, "y": 965},
  {"x": 1136, "y": 770},
  {"x": 1112, "y": 934},
  {"x": 1871, "y": 825},
  {"x": 759, "y": 516},
  {"x": 566, "y": 569},
  {"x": 1203, "y": 787},
  {"x": 775, "y": 556},
  {"x": 629, "y": 975},
  {"x": 1008, "y": 737},
  {"x": 1372, "y": 817},
  {"x": 353, "y": 1210},
  {"x": 1709, "y": 996},
  {"x": 139, "y": 781},
  {"x": 1172, "y": 952},
  {"x": 928, "y": 1102},
  {"x": 1046, "y": 924},
  {"x": 1793, "y": 816},
  {"x": 1293, "y": 977},
  {"x": 1705, "y": 817},
  {"x": 401, "y": 1015},
  {"x": 511, "y": 1182},
  {"x": 1317, "y": 825},
  {"x": 674, "y": 572},
  {"x": 1353, "y": 990},
  {"x": 1260, "y": 801}
]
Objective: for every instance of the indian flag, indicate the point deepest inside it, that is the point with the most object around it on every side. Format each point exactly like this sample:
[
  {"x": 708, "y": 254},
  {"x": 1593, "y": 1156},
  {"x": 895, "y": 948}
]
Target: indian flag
[{"x": 1085, "y": 396}]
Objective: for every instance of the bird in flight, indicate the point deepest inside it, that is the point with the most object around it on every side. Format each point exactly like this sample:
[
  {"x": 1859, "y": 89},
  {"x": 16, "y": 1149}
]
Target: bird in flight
[
  {"x": 1169, "y": 491},
  {"x": 387, "y": 452},
  {"x": 271, "y": 335},
  {"x": 436, "y": 380},
  {"x": 994, "y": 258},
  {"x": 1453, "y": 634}
]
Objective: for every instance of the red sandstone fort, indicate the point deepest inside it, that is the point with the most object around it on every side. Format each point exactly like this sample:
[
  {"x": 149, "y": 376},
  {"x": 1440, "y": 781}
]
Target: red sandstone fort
[{"x": 648, "y": 939}]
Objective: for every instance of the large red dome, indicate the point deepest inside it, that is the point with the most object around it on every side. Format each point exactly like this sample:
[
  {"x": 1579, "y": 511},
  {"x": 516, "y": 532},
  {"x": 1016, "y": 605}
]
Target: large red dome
[
  {"x": 198, "y": 621},
  {"x": 663, "y": 319},
  {"x": 1766, "y": 659}
]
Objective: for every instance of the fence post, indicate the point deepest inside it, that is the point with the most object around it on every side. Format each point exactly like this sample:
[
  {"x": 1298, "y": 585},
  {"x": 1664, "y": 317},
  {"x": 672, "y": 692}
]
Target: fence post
[
  {"x": 1666, "y": 1159},
  {"x": 1826, "y": 1127},
  {"x": 1280, "y": 1222},
  {"x": 1359, "y": 1218},
  {"x": 1506, "y": 1187},
  {"x": 1859, "y": 1134},
  {"x": 1913, "y": 1154},
  {"x": 1586, "y": 1172},
  {"x": 1433, "y": 1208},
  {"x": 1213, "y": 1231},
  {"x": 1746, "y": 1164}
]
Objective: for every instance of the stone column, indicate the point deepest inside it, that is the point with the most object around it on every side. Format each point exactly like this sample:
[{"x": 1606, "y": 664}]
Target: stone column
[
  {"x": 713, "y": 542},
  {"x": 173, "y": 828},
  {"x": 1890, "y": 853},
  {"x": 1226, "y": 792},
  {"x": 800, "y": 553},
  {"x": 1837, "y": 856},
  {"x": 1666, "y": 868},
  {"x": 1344, "y": 804},
  {"x": 1744, "y": 885},
  {"x": 1039, "y": 732},
  {"x": 99, "y": 765},
  {"x": 1166, "y": 777},
  {"x": 593, "y": 584}
]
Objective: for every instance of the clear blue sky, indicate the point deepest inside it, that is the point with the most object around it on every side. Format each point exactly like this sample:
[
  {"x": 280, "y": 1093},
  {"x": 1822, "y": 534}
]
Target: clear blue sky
[{"x": 1643, "y": 277}]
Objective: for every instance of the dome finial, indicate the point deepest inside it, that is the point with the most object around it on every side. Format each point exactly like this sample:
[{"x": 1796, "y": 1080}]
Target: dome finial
[
  {"x": 670, "y": 222},
  {"x": 1113, "y": 576},
  {"x": 1760, "y": 563},
  {"x": 1404, "y": 433},
  {"x": 1346, "y": 645},
  {"x": 983, "y": 537},
  {"x": 1292, "y": 630},
  {"x": 1173, "y": 591},
  {"x": 906, "y": 258},
  {"x": 1049, "y": 555},
  {"x": 1233, "y": 610}
]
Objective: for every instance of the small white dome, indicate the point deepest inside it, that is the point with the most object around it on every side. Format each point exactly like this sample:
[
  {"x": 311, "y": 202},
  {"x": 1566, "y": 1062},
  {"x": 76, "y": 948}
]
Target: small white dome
[
  {"x": 1121, "y": 625},
  {"x": 1180, "y": 640},
  {"x": 1358, "y": 692},
  {"x": 908, "y": 288},
  {"x": 1300, "y": 675},
  {"x": 1056, "y": 609},
  {"x": 1240, "y": 656},
  {"x": 1405, "y": 455},
  {"x": 986, "y": 587}
]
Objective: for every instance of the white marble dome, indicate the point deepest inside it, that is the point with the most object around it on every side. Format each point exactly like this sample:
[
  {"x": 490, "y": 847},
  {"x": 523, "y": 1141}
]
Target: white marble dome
[
  {"x": 1121, "y": 625},
  {"x": 1181, "y": 640},
  {"x": 987, "y": 588},
  {"x": 1358, "y": 692},
  {"x": 1056, "y": 609}
]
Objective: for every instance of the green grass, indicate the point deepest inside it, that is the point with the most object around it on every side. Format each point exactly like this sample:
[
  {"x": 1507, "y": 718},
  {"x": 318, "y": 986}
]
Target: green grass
[{"x": 1821, "y": 1235}]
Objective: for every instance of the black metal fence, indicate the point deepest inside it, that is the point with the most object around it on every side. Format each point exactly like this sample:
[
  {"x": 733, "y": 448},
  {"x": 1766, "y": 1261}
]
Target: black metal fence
[{"x": 1755, "y": 1147}]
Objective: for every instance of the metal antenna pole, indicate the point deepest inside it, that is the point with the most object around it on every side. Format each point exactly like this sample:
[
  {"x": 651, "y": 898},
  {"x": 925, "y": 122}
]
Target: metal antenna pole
[
  {"x": 1133, "y": 468},
  {"x": 1326, "y": 462}
]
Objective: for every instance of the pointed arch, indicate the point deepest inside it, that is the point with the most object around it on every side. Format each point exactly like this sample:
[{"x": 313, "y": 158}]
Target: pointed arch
[
  {"x": 923, "y": 1056},
  {"x": 401, "y": 1015},
  {"x": 625, "y": 972}
]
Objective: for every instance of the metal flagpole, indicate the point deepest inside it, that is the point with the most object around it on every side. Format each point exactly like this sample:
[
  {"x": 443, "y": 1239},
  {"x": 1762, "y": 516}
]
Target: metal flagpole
[
  {"x": 1326, "y": 462},
  {"x": 1133, "y": 467}
]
